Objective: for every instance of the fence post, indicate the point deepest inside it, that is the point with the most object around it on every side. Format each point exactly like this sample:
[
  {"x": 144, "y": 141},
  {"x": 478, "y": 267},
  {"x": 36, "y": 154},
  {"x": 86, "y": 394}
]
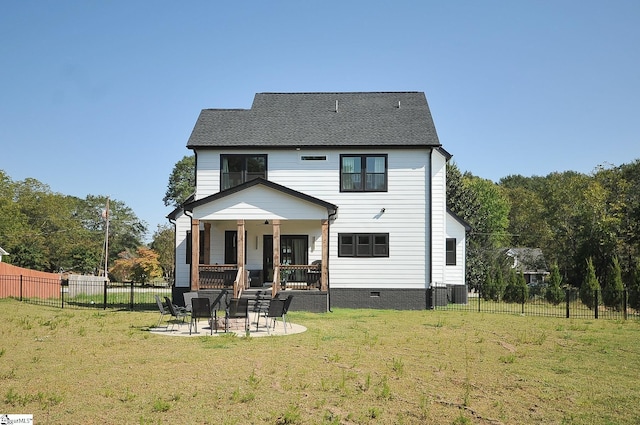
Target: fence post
[
  {"x": 20, "y": 287},
  {"x": 131, "y": 297},
  {"x": 479, "y": 296},
  {"x": 566, "y": 294},
  {"x": 596, "y": 302},
  {"x": 62, "y": 293},
  {"x": 624, "y": 303},
  {"x": 104, "y": 299},
  {"x": 523, "y": 300}
]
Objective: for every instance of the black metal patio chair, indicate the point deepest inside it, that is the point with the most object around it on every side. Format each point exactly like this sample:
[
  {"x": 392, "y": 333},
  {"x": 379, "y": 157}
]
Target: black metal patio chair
[
  {"x": 276, "y": 309},
  {"x": 188, "y": 296},
  {"x": 176, "y": 312},
  {"x": 163, "y": 310},
  {"x": 287, "y": 304},
  {"x": 200, "y": 309},
  {"x": 237, "y": 308}
]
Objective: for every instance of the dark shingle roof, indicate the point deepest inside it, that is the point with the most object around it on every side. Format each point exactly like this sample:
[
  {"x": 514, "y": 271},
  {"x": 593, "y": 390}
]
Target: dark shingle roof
[{"x": 311, "y": 120}]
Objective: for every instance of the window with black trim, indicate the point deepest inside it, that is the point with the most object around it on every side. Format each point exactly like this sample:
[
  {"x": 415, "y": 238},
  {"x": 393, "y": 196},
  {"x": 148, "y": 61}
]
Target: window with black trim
[
  {"x": 363, "y": 245},
  {"x": 451, "y": 251},
  {"x": 238, "y": 169},
  {"x": 200, "y": 250},
  {"x": 363, "y": 173}
]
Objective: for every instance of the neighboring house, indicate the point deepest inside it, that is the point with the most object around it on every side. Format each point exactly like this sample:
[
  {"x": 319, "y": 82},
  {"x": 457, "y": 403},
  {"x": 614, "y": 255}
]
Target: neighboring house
[
  {"x": 2, "y": 252},
  {"x": 529, "y": 261},
  {"x": 339, "y": 197}
]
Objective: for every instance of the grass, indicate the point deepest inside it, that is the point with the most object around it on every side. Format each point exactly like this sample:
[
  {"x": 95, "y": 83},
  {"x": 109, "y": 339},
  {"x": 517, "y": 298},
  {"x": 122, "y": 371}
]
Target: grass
[{"x": 350, "y": 367}]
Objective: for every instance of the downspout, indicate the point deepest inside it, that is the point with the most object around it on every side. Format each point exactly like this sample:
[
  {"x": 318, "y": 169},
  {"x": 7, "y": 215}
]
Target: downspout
[
  {"x": 190, "y": 221},
  {"x": 329, "y": 218},
  {"x": 175, "y": 240},
  {"x": 430, "y": 223}
]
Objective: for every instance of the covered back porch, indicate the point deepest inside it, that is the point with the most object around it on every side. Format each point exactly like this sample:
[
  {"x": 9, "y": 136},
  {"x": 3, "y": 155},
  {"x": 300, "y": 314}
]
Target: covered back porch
[
  {"x": 259, "y": 234},
  {"x": 250, "y": 253}
]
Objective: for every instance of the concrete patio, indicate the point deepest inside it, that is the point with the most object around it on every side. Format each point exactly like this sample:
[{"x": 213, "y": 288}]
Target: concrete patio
[{"x": 236, "y": 326}]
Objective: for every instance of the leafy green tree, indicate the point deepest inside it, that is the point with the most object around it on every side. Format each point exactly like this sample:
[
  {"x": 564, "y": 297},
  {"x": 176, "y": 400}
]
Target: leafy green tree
[
  {"x": 527, "y": 216},
  {"x": 182, "y": 182},
  {"x": 163, "y": 244},
  {"x": 83, "y": 260},
  {"x": 52, "y": 232},
  {"x": 29, "y": 256},
  {"x": 126, "y": 230},
  {"x": 483, "y": 205},
  {"x": 554, "y": 293},
  {"x": 590, "y": 287},
  {"x": 613, "y": 291}
]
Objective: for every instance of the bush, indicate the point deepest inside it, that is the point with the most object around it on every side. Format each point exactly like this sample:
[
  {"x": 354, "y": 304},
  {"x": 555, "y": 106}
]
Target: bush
[
  {"x": 555, "y": 294},
  {"x": 517, "y": 290},
  {"x": 613, "y": 292},
  {"x": 590, "y": 286},
  {"x": 495, "y": 286},
  {"x": 634, "y": 288}
]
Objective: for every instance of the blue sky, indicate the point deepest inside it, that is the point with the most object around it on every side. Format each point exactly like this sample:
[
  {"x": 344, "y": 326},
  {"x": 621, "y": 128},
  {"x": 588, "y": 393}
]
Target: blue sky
[{"x": 100, "y": 97}]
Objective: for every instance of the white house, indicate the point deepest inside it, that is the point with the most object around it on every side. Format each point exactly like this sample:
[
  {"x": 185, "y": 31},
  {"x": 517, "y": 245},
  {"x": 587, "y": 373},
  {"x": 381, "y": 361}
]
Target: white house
[
  {"x": 2, "y": 252},
  {"x": 340, "y": 197}
]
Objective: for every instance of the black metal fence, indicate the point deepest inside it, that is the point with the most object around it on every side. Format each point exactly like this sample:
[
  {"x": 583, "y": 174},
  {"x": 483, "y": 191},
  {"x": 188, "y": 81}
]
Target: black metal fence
[
  {"x": 536, "y": 301},
  {"x": 89, "y": 293}
]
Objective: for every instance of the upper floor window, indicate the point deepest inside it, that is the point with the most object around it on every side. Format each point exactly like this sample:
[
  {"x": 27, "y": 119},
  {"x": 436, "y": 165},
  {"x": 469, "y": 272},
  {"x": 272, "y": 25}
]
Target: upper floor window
[
  {"x": 363, "y": 173},
  {"x": 238, "y": 169},
  {"x": 451, "y": 251}
]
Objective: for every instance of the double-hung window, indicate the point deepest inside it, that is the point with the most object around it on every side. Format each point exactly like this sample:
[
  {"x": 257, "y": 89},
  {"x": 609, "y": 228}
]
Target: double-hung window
[
  {"x": 451, "y": 252},
  {"x": 238, "y": 169},
  {"x": 363, "y": 245},
  {"x": 363, "y": 173}
]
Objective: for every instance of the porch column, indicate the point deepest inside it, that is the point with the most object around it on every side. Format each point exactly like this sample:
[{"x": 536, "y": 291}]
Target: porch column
[
  {"x": 275, "y": 287},
  {"x": 239, "y": 285},
  {"x": 324, "y": 266},
  {"x": 207, "y": 243},
  {"x": 195, "y": 254}
]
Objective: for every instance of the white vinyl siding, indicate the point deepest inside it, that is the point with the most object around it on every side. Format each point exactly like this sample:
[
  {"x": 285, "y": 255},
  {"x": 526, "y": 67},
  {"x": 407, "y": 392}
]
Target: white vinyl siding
[
  {"x": 405, "y": 204},
  {"x": 403, "y": 218},
  {"x": 182, "y": 272},
  {"x": 438, "y": 217},
  {"x": 455, "y": 275}
]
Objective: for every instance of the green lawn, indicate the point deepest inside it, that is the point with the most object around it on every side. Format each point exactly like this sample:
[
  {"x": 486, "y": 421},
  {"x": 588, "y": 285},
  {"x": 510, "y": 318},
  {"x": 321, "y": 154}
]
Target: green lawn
[{"x": 350, "y": 367}]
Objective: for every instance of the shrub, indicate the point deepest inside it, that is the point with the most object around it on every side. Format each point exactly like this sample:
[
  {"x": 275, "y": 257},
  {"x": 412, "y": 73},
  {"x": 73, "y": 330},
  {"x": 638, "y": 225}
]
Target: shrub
[
  {"x": 517, "y": 290},
  {"x": 554, "y": 293},
  {"x": 613, "y": 291},
  {"x": 590, "y": 286},
  {"x": 634, "y": 288},
  {"x": 495, "y": 286}
]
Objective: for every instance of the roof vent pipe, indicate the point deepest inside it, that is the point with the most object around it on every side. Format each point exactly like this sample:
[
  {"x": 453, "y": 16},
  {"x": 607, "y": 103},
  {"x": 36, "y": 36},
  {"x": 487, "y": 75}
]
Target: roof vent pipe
[
  {"x": 398, "y": 104},
  {"x": 336, "y": 105}
]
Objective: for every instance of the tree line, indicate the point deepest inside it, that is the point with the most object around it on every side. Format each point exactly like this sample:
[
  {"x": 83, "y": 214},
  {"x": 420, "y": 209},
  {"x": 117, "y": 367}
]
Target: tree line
[
  {"x": 48, "y": 231},
  {"x": 587, "y": 225}
]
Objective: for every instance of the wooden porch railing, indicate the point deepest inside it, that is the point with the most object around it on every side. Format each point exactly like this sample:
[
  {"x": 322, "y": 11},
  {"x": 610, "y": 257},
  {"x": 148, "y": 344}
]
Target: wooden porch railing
[
  {"x": 223, "y": 276},
  {"x": 300, "y": 276},
  {"x": 230, "y": 276},
  {"x": 217, "y": 276}
]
